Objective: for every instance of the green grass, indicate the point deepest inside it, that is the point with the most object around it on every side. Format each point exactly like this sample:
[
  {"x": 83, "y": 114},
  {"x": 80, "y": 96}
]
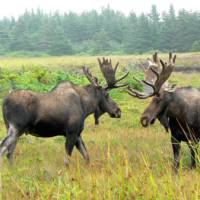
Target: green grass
[{"x": 127, "y": 161}]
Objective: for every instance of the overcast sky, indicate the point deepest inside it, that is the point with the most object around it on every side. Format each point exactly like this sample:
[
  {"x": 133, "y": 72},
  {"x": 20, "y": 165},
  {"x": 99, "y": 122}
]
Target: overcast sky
[{"x": 17, "y": 7}]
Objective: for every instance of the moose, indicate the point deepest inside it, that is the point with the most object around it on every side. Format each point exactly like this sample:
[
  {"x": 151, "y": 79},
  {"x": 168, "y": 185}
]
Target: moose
[
  {"x": 62, "y": 111},
  {"x": 177, "y": 109}
]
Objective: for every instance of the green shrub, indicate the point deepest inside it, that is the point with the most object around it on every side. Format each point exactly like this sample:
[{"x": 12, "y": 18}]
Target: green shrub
[{"x": 43, "y": 80}]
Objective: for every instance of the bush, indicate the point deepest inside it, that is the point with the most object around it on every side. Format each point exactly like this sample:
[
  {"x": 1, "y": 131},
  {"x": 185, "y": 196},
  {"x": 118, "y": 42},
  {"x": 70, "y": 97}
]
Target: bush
[{"x": 44, "y": 80}]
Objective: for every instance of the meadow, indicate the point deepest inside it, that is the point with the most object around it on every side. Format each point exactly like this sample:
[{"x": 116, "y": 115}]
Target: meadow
[{"x": 127, "y": 161}]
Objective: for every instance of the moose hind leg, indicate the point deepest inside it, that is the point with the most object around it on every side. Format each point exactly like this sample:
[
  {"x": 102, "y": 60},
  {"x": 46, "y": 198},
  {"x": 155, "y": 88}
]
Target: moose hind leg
[
  {"x": 11, "y": 149},
  {"x": 82, "y": 149},
  {"x": 9, "y": 143},
  {"x": 176, "y": 146}
]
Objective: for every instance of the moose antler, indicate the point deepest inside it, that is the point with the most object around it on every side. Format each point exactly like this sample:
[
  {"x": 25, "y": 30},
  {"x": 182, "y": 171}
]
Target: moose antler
[
  {"x": 154, "y": 64},
  {"x": 161, "y": 77},
  {"x": 93, "y": 80},
  {"x": 109, "y": 74}
]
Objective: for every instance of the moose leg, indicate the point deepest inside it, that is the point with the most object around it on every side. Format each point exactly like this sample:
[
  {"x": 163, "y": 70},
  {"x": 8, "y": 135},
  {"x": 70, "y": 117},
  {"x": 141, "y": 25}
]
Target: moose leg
[
  {"x": 176, "y": 146},
  {"x": 69, "y": 146},
  {"x": 11, "y": 149},
  {"x": 9, "y": 143},
  {"x": 193, "y": 150},
  {"x": 82, "y": 149}
]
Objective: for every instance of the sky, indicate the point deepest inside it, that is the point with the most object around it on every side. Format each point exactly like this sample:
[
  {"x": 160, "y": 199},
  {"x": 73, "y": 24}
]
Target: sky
[{"x": 16, "y": 7}]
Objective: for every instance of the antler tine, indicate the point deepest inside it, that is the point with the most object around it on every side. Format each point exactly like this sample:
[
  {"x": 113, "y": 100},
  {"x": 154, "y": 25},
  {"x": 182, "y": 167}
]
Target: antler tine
[
  {"x": 155, "y": 58},
  {"x": 109, "y": 74},
  {"x": 161, "y": 77},
  {"x": 170, "y": 57},
  {"x": 93, "y": 80},
  {"x": 165, "y": 73},
  {"x": 155, "y": 72},
  {"x": 137, "y": 94},
  {"x": 154, "y": 61},
  {"x": 174, "y": 59},
  {"x": 99, "y": 61},
  {"x": 116, "y": 86},
  {"x": 116, "y": 66},
  {"x": 145, "y": 82},
  {"x": 123, "y": 77}
]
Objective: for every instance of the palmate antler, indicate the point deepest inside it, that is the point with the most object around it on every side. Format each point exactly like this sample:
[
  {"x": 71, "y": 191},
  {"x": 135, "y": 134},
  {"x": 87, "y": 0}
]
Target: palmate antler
[
  {"x": 154, "y": 64},
  {"x": 93, "y": 80},
  {"x": 109, "y": 74},
  {"x": 161, "y": 78}
]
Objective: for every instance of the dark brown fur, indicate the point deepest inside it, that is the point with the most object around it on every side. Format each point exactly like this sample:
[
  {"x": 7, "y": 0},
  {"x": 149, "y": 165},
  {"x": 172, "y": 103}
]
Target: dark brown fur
[
  {"x": 180, "y": 112},
  {"x": 59, "y": 112}
]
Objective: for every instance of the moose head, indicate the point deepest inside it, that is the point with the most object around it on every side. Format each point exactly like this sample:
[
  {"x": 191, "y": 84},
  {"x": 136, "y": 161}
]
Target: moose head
[
  {"x": 106, "y": 103},
  {"x": 161, "y": 92}
]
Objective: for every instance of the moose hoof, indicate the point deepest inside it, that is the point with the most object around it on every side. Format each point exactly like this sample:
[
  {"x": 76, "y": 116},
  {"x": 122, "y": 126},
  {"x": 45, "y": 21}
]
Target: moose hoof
[{"x": 66, "y": 162}]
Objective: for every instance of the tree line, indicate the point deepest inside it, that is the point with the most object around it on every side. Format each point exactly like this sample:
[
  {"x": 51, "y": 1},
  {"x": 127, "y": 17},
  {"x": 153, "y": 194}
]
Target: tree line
[{"x": 107, "y": 32}]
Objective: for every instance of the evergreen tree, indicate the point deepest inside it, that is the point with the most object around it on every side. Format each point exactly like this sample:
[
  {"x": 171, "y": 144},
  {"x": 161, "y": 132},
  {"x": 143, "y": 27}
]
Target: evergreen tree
[
  {"x": 98, "y": 33},
  {"x": 155, "y": 28}
]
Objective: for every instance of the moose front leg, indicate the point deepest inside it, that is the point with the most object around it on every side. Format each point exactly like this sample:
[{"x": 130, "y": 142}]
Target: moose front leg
[
  {"x": 69, "y": 146},
  {"x": 176, "y": 146},
  {"x": 82, "y": 149},
  {"x": 194, "y": 152}
]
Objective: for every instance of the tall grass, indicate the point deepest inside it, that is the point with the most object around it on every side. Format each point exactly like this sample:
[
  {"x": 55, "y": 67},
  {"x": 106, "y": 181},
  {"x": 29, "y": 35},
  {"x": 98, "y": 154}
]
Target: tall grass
[{"x": 127, "y": 161}]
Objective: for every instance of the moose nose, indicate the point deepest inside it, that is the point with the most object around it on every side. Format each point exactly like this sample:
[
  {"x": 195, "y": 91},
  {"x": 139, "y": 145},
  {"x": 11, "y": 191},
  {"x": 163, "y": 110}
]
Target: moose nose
[
  {"x": 116, "y": 113},
  {"x": 144, "y": 121}
]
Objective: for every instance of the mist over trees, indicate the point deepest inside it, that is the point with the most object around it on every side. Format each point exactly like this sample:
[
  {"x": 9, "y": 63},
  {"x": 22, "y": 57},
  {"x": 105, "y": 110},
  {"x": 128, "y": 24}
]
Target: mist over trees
[{"x": 107, "y": 32}]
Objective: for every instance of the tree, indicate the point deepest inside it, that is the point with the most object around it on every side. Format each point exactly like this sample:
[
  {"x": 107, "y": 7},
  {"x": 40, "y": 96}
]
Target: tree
[
  {"x": 101, "y": 42},
  {"x": 99, "y": 33},
  {"x": 130, "y": 34},
  {"x": 155, "y": 28},
  {"x": 168, "y": 31}
]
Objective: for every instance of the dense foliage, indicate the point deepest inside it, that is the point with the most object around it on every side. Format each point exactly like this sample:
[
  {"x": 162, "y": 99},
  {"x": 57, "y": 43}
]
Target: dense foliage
[
  {"x": 43, "y": 80},
  {"x": 38, "y": 33}
]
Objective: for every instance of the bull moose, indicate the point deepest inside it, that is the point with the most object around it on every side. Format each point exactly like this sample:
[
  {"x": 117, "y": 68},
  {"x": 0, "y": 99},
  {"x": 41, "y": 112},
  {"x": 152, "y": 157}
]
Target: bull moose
[
  {"x": 62, "y": 111},
  {"x": 177, "y": 109}
]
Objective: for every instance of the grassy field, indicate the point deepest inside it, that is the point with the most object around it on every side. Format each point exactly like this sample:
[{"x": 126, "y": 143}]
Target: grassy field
[{"x": 127, "y": 161}]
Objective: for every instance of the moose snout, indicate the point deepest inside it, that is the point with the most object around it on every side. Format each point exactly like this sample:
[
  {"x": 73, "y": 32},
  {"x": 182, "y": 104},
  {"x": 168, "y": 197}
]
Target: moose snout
[
  {"x": 144, "y": 121},
  {"x": 147, "y": 120},
  {"x": 116, "y": 113}
]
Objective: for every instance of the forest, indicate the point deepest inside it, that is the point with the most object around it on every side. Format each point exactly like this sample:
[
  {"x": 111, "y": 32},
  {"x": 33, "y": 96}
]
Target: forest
[{"x": 107, "y": 32}]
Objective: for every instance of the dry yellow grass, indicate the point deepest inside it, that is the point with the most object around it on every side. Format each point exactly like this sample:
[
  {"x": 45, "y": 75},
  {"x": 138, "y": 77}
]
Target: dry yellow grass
[
  {"x": 127, "y": 161},
  {"x": 184, "y": 59}
]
